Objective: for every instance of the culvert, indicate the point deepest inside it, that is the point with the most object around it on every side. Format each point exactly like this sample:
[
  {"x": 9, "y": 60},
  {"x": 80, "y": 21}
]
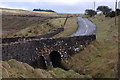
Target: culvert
[
  {"x": 39, "y": 63},
  {"x": 55, "y": 58}
]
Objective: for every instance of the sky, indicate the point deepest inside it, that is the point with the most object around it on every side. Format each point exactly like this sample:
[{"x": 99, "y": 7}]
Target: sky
[{"x": 60, "y": 6}]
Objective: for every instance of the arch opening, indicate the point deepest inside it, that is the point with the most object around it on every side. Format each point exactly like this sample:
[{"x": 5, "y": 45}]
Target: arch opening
[
  {"x": 55, "y": 58},
  {"x": 40, "y": 63}
]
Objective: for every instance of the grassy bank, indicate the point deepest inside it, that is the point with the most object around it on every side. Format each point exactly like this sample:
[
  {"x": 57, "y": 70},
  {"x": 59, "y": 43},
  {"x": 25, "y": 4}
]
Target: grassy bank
[
  {"x": 14, "y": 26},
  {"x": 15, "y": 69},
  {"x": 28, "y": 26},
  {"x": 69, "y": 28},
  {"x": 100, "y": 57},
  {"x": 41, "y": 27}
]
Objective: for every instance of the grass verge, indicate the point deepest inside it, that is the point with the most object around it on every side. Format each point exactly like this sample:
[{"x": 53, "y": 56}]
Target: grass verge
[
  {"x": 98, "y": 59},
  {"x": 69, "y": 28}
]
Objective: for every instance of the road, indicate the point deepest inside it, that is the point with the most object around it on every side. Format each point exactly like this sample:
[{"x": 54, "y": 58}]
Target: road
[{"x": 85, "y": 27}]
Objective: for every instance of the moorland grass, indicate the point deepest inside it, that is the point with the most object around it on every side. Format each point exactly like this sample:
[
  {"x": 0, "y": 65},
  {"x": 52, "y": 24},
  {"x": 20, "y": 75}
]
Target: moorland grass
[
  {"x": 98, "y": 59},
  {"x": 69, "y": 28}
]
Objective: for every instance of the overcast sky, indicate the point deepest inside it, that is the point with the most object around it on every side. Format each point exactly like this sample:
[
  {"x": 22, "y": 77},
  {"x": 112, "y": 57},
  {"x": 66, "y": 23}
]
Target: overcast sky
[{"x": 61, "y": 6}]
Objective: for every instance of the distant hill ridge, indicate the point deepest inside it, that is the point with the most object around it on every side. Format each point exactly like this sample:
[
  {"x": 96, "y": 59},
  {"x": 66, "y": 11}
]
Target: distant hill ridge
[{"x": 43, "y": 10}]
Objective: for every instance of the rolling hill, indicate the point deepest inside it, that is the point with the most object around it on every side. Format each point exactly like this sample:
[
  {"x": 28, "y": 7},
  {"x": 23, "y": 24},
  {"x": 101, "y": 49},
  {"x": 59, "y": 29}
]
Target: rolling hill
[{"x": 30, "y": 23}]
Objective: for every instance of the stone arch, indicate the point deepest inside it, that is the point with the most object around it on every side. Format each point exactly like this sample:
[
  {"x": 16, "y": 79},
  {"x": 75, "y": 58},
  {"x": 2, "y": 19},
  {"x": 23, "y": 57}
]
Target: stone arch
[
  {"x": 55, "y": 58},
  {"x": 40, "y": 63}
]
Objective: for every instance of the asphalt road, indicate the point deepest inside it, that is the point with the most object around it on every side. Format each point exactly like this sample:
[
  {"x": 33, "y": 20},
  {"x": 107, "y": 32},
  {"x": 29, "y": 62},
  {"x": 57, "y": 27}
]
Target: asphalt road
[{"x": 85, "y": 27}]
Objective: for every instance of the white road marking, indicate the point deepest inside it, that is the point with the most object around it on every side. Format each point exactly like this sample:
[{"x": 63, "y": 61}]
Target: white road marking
[{"x": 85, "y": 25}]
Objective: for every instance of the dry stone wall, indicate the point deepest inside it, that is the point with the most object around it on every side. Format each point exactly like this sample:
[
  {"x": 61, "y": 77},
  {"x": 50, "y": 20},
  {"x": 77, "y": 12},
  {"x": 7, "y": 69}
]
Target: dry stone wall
[{"x": 47, "y": 35}]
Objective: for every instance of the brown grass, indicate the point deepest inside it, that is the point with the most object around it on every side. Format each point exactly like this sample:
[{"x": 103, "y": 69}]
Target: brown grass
[
  {"x": 42, "y": 28},
  {"x": 69, "y": 28},
  {"x": 14, "y": 26},
  {"x": 28, "y": 26},
  {"x": 16, "y": 69}
]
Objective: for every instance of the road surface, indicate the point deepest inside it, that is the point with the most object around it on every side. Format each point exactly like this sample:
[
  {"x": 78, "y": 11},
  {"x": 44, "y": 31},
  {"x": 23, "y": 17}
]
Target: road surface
[{"x": 85, "y": 27}]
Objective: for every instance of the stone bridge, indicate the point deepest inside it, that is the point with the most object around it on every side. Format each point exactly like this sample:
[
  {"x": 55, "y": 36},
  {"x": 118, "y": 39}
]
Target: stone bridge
[{"x": 45, "y": 52}]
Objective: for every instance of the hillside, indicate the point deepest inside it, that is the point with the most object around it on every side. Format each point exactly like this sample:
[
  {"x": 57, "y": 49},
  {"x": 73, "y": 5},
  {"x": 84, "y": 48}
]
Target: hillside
[
  {"x": 70, "y": 27},
  {"x": 20, "y": 11},
  {"x": 29, "y": 26},
  {"x": 15, "y": 69},
  {"x": 30, "y": 23},
  {"x": 98, "y": 59}
]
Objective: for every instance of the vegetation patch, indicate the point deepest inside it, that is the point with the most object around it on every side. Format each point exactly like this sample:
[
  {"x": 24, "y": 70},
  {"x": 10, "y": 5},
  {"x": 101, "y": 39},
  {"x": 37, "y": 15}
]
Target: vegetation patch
[
  {"x": 16, "y": 69},
  {"x": 69, "y": 28},
  {"x": 39, "y": 23},
  {"x": 98, "y": 59},
  {"x": 42, "y": 27},
  {"x": 29, "y": 26}
]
